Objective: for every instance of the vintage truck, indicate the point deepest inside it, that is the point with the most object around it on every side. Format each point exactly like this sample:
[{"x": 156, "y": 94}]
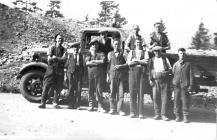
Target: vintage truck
[{"x": 31, "y": 74}]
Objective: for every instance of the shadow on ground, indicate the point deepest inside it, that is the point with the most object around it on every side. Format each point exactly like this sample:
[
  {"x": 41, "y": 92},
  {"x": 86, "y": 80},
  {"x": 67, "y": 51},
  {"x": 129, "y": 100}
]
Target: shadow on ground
[{"x": 199, "y": 115}]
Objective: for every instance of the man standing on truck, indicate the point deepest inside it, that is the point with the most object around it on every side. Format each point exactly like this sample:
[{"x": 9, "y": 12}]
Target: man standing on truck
[
  {"x": 159, "y": 38},
  {"x": 95, "y": 61},
  {"x": 54, "y": 76},
  {"x": 159, "y": 70},
  {"x": 131, "y": 39},
  {"x": 104, "y": 43},
  {"x": 183, "y": 82},
  {"x": 75, "y": 68}
]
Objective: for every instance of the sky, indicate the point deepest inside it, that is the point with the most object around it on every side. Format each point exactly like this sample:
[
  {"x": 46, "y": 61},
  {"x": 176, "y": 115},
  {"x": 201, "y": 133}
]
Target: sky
[{"x": 181, "y": 17}]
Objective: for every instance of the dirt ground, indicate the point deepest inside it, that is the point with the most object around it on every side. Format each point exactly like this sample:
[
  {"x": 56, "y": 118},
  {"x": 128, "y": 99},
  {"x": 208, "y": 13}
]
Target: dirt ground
[{"x": 20, "y": 119}]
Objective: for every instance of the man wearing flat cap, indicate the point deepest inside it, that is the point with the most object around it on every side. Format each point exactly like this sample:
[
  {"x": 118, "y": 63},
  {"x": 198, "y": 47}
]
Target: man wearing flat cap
[
  {"x": 75, "y": 68},
  {"x": 159, "y": 38},
  {"x": 159, "y": 70}
]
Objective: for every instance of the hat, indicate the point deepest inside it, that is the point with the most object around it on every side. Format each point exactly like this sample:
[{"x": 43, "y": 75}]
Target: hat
[
  {"x": 157, "y": 48},
  {"x": 94, "y": 42}
]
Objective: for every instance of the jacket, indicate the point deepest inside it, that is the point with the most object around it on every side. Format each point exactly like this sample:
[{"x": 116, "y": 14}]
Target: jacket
[{"x": 183, "y": 74}]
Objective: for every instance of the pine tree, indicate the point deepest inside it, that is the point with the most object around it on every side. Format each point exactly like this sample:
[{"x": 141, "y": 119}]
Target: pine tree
[
  {"x": 54, "y": 9},
  {"x": 109, "y": 14},
  {"x": 201, "y": 40},
  {"x": 162, "y": 26}
]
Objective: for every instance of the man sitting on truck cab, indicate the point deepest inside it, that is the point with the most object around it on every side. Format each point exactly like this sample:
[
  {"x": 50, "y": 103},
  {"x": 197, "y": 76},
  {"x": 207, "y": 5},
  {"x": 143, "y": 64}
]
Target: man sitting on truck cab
[{"x": 159, "y": 38}]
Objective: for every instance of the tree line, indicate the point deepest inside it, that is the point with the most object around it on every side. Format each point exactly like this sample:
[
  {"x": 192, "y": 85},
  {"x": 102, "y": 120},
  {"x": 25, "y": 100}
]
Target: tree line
[{"x": 110, "y": 16}]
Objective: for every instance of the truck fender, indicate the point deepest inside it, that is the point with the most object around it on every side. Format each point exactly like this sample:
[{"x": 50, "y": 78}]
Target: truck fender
[{"x": 31, "y": 66}]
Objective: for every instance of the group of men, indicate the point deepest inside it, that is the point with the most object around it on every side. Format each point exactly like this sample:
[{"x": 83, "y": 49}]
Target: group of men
[{"x": 144, "y": 65}]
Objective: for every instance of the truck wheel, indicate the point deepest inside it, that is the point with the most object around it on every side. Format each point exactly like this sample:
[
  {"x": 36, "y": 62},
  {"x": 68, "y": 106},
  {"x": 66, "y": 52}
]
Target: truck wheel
[{"x": 31, "y": 85}]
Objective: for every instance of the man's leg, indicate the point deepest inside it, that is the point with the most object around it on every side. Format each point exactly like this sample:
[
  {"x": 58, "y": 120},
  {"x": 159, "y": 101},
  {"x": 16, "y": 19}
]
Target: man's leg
[
  {"x": 177, "y": 102},
  {"x": 58, "y": 88},
  {"x": 132, "y": 86},
  {"x": 46, "y": 88},
  {"x": 141, "y": 97},
  {"x": 78, "y": 93},
  {"x": 185, "y": 104},
  {"x": 71, "y": 90},
  {"x": 91, "y": 94},
  {"x": 99, "y": 82},
  {"x": 113, "y": 88},
  {"x": 120, "y": 107},
  {"x": 157, "y": 100},
  {"x": 164, "y": 100}
]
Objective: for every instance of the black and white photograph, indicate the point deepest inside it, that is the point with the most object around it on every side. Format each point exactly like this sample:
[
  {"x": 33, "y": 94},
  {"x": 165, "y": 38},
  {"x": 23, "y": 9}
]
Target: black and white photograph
[{"x": 108, "y": 70}]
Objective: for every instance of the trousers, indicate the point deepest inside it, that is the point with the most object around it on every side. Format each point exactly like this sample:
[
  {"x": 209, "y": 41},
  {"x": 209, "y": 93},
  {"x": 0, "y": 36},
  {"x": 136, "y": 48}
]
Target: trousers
[
  {"x": 117, "y": 94},
  {"x": 136, "y": 88},
  {"x": 181, "y": 101},
  {"x": 75, "y": 84},
  {"x": 160, "y": 97}
]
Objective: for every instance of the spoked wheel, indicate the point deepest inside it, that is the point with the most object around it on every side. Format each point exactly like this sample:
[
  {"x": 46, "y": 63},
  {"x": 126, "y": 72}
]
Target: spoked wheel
[{"x": 31, "y": 85}]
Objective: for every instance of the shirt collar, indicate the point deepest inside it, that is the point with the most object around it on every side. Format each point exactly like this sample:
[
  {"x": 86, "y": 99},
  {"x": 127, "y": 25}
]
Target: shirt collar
[{"x": 181, "y": 62}]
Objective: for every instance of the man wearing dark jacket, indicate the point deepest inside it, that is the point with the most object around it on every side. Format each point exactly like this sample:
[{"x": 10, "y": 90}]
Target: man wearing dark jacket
[
  {"x": 183, "y": 82},
  {"x": 75, "y": 68}
]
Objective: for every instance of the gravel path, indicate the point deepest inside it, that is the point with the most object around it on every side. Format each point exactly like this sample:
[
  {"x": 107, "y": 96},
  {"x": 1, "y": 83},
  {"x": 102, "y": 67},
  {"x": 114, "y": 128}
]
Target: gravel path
[{"x": 20, "y": 119}]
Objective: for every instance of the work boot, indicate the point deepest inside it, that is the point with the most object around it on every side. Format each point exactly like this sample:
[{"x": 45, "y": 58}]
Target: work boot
[
  {"x": 55, "y": 105},
  {"x": 79, "y": 108},
  {"x": 132, "y": 115},
  {"x": 185, "y": 119},
  {"x": 90, "y": 108},
  {"x": 122, "y": 113},
  {"x": 112, "y": 112},
  {"x": 42, "y": 105},
  {"x": 178, "y": 118},
  {"x": 100, "y": 108},
  {"x": 141, "y": 116},
  {"x": 157, "y": 117},
  {"x": 165, "y": 118}
]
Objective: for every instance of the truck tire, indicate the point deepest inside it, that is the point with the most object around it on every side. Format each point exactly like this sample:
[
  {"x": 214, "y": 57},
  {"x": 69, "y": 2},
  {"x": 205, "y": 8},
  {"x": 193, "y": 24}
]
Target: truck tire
[{"x": 31, "y": 85}]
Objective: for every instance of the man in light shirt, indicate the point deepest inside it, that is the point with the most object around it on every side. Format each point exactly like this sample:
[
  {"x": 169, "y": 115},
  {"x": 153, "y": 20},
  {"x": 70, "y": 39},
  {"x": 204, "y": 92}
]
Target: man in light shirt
[
  {"x": 159, "y": 70},
  {"x": 137, "y": 61}
]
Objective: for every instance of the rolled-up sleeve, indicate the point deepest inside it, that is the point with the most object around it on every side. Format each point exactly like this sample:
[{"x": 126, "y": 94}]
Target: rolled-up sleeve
[{"x": 50, "y": 50}]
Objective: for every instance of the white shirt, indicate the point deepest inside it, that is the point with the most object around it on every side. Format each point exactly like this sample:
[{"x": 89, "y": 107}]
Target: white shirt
[{"x": 158, "y": 64}]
